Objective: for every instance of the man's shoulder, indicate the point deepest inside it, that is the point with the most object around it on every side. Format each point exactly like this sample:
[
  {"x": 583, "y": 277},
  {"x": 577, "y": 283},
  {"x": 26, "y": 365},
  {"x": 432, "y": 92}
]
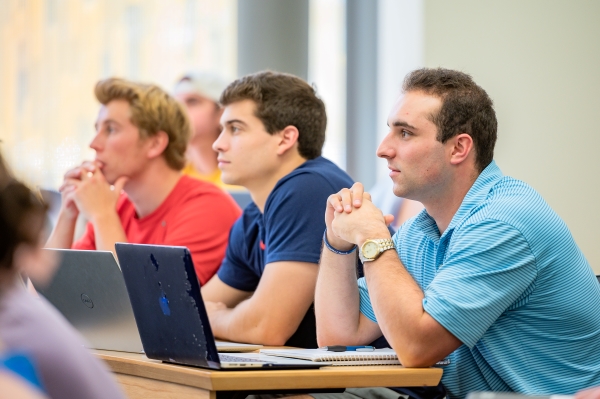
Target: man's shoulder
[
  {"x": 250, "y": 217},
  {"x": 190, "y": 192},
  {"x": 317, "y": 174},
  {"x": 516, "y": 203},
  {"x": 320, "y": 168},
  {"x": 191, "y": 187},
  {"x": 186, "y": 189}
]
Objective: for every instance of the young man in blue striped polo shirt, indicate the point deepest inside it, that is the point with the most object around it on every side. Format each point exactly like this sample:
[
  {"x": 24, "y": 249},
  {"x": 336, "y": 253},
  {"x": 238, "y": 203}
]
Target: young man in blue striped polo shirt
[{"x": 487, "y": 276}]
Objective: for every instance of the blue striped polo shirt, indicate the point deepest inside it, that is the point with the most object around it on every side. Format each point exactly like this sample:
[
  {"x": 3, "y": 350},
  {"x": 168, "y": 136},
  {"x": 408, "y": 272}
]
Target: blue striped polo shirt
[{"x": 507, "y": 279}]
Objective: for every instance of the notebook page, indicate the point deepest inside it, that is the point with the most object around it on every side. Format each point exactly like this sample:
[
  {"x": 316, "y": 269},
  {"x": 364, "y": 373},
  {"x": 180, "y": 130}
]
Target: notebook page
[{"x": 321, "y": 355}]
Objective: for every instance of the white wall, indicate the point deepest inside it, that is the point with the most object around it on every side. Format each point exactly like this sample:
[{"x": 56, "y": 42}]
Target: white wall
[
  {"x": 540, "y": 62},
  {"x": 399, "y": 51}
]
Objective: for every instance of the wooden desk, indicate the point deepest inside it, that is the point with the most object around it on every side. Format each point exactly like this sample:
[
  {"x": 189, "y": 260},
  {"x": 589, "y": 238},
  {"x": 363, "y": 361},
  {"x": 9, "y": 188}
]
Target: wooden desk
[{"x": 141, "y": 377}]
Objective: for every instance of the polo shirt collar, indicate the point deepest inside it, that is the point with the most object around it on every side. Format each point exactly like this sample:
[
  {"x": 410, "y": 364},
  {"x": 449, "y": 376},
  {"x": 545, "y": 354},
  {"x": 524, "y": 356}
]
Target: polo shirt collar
[
  {"x": 478, "y": 193},
  {"x": 475, "y": 196}
]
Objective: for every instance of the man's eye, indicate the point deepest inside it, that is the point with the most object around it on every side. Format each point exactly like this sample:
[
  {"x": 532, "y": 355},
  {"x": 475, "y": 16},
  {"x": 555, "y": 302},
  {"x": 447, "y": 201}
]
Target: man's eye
[{"x": 405, "y": 133}]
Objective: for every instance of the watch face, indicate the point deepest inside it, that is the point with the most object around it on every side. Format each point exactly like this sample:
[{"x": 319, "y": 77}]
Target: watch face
[{"x": 370, "y": 249}]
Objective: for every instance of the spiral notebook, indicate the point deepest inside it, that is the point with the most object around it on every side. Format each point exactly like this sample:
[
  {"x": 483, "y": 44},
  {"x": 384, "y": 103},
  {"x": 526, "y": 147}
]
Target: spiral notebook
[{"x": 385, "y": 356}]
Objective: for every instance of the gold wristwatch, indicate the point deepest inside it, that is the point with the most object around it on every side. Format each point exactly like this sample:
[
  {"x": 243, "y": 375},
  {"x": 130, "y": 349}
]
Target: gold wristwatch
[{"x": 373, "y": 248}]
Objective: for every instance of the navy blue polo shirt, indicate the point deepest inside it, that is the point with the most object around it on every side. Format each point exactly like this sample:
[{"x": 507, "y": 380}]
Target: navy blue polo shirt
[{"x": 291, "y": 228}]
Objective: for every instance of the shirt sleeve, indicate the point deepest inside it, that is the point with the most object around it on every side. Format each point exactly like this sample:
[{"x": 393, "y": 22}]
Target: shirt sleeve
[
  {"x": 235, "y": 271},
  {"x": 202, "y": 224},
  {"x": 295, "y": 219},
  {"x": 488, "y": 268}
]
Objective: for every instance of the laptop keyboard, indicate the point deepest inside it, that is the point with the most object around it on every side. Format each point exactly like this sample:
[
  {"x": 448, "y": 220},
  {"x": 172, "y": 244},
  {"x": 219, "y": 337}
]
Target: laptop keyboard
[{"x": 229, "y": 358}]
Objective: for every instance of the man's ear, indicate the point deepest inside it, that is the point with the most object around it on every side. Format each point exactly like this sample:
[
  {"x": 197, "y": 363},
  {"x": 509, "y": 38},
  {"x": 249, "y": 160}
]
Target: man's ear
[
  {"x": 288, "y": 139},
  {"x": 157, "y": 144},
  {"x": 462, "y": 147}
]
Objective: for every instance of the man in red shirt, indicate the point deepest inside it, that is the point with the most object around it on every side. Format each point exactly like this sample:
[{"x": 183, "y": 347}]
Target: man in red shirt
[{"x": 134, "y": 190}]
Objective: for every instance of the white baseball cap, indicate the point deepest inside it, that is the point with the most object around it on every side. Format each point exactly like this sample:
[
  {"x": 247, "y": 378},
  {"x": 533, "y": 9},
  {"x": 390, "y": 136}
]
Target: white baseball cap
[{"x": 207, "y": 84}]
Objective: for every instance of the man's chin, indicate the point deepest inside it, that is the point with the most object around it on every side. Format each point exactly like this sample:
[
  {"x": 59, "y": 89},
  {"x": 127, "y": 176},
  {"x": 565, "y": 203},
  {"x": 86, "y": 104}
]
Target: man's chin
[
  {"x": 111, "y": 179},
  {"x": 400, "y": 191},
  {"x": 228, "y": 179}
]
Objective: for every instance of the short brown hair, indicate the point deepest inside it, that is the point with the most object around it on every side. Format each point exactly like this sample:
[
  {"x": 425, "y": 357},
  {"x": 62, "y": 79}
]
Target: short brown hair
[
  {"x": 283, "y": 100},
  {"x": 152, "y": 110},
  {"x": 466, "y": 108},
  {"x": 22, "y": 218}
]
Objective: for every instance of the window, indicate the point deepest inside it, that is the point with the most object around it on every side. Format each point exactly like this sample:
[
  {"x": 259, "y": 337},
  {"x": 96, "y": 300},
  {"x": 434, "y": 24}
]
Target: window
[{"x": 53, "y": 52}]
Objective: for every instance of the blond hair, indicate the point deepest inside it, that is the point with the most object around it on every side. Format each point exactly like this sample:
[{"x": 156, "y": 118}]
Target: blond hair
[{"x": 152, "y": 110}]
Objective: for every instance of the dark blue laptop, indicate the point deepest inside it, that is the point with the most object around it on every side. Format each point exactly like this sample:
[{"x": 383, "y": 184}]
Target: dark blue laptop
[{"x": 170, "y": 314}]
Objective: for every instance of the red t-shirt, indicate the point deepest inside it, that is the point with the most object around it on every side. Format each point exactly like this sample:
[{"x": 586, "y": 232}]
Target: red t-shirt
[{"x": 196, "y": 214}]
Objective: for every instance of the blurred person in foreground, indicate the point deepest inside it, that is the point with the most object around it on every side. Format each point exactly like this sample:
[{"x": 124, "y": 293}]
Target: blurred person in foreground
[
  {"x": 18, "y": 377},
  {"x": 273, "y": 132},
  {"x": 200, "y": 92},
  {"x": 134, "y": 191},
  {"x": 30, "y": 325},
  {"x": 487, "y": 276},
  {"x": 16, "y": 387}
]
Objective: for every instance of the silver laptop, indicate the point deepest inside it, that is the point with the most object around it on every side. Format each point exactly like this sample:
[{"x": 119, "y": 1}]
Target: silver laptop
[{"x": 89, "y": 290}]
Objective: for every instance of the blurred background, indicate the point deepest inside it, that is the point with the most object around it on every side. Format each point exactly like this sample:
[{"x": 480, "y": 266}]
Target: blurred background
[{"x": 538, "y": 59}]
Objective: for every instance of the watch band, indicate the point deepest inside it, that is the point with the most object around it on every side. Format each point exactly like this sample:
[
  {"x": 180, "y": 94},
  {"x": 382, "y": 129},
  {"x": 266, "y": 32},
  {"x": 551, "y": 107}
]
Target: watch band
[
  {"x": 336, "y": 251},
  {"x": 383, "y": 245}
]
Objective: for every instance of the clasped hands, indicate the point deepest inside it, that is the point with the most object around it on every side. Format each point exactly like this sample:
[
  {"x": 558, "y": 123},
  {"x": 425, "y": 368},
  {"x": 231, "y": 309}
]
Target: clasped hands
[
  {"x": 351, "y": 218},
  {"x": 86, "y": 190}
]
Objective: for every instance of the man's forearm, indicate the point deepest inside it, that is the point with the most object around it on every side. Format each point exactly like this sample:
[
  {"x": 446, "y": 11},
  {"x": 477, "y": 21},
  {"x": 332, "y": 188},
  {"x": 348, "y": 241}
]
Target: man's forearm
[
  {"x": 398, "y": 304},
  {"x": 337, "y": 300},
  {"x": 108, "y": 231},
  {"x": 63, "y": 232},
  {"x": 247, "y": 323}
]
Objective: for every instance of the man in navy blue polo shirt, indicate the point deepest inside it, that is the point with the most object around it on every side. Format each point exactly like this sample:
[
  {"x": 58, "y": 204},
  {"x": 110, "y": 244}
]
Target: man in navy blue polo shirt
[
  {"x": 273, "y": 132},
  {"x": 487, "y": 277}
]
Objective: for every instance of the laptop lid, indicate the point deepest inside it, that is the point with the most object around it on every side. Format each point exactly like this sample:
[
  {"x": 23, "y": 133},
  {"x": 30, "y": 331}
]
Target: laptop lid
[
  {"x": 89, "y": 290},
  {"x": 165, "y": 297},
  {"x": 170, "y": 314}
]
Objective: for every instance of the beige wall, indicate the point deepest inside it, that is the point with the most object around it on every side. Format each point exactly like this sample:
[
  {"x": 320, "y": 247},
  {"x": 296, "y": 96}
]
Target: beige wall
[{"x": 540, "y": 62}]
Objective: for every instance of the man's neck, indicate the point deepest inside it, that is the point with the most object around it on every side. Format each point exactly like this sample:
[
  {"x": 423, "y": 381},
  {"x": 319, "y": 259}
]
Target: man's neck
[
  {"x": 260, "y": 190},
  {"x": 202, "y": 156},
  {"x": 443, "y": 206},
  {"x": 149, "y": 190}
]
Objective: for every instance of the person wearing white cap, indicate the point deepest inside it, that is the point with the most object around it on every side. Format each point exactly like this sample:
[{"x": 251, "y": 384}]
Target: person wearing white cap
[{"x": 200, "y": 92}]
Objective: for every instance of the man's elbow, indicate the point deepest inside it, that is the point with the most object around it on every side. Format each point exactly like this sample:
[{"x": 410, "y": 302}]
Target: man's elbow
[
  {"x": 324, "y": 339},
  {"x": 328, "y": 337},
  {"x": 274, "y": 340},
  {"x": 416, "y": 356},
  {"x": 269, "y": 334},
  {"x": 412, "y": 361}
]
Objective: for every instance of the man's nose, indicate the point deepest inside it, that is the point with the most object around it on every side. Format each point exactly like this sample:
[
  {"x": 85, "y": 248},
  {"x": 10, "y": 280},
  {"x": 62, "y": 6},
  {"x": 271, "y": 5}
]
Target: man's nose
[
  {"x": 219, "y": 143},
  {"x": 386, "y": 149},
  {"x": 96, "y": 143}
]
